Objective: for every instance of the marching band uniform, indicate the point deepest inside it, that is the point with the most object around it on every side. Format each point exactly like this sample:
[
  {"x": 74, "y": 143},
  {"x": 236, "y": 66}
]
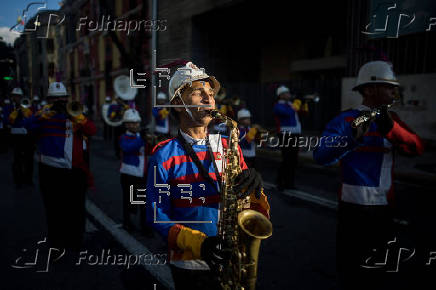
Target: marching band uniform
[
  {"x": 247, "y": 143},
  {"x": 63, "y": 172},
  {"x": 182, "y": 186},
  {"x": 133, "y": 166},
  {"x": 364, "y": 216},
  {"x": 288, "y": 123},
  {"x": 22, "y": 167}
]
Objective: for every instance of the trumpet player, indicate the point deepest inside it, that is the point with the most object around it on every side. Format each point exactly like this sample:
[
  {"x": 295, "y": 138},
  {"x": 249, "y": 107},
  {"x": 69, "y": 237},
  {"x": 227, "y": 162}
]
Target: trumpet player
[
  {"x": 366, "y": 196},
  {"x": 183, "y": 185},
  {"x": 63, "y": 173},
  {"x": 22, "y": 166}
]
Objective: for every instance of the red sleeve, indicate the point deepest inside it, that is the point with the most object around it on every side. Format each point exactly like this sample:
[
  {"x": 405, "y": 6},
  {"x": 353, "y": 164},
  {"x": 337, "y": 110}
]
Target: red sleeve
[
  {"x": 88, "y": 128},
  {"x": 241, "y": 159},
  {"x": 403, "y": 138}
]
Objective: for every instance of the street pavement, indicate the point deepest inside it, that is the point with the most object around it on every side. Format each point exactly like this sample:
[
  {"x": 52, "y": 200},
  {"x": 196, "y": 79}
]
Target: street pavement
[{"x": 299, "y": 255}]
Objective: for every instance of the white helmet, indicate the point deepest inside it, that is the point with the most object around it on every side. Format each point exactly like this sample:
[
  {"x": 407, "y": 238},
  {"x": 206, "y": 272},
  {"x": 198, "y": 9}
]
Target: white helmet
[
  {"x": 186, "y": 75},
  {"x": 108, "y": 99},
  {"x": 7, "y": 101},
  {"x": 43, "y": 103},
  {"x": 282, "y": 89},
  {"x": 17, "y": 91},
  {"x": 376, "y": 72},
  {"x": 244, "y": 113},
  {"x": 131, "y": 115},
  {"x": 57, "y": 89},
  {"x": 35, "y": 98},
  {"x": 161, "y": 96}
]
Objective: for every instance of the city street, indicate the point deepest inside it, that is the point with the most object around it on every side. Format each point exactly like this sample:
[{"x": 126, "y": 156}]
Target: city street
[{"x": 299, "y": 255}]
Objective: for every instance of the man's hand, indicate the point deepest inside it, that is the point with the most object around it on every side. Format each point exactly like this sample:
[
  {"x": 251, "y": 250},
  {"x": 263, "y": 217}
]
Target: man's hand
[
  {"x": 363, "y": 128},
  {"x": 213, "y": 254},
  {"x": 384, "y": 121},
  {"x": 248, "y": 181}
]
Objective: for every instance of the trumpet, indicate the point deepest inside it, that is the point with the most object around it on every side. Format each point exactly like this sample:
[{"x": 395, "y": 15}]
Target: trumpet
[
  {"x": 25, "y": 103},
  {"x": 368, "y": 116},
  {"x": 74, "y": 108}
]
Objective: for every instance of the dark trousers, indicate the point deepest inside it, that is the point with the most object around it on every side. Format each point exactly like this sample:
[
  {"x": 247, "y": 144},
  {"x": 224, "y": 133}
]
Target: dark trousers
[
  {"x": 129, "y": 208},
  {"x": 287, "y": 168},
  {"x": 118, "y": 131},
  {"x": 360, "y": 230},
  {"x": 63, "y": 192},
  {"x": 22, "y": 165},
  {"x": 194, "y": 279}
]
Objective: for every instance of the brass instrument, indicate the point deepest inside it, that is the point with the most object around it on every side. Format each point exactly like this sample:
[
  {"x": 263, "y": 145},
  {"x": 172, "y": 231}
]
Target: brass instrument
[
  {"x": 240, "y": 229},
  {"x": 368, "y": 116},
  {"x": 25, "y": 103},
  {"x": 74, "y": 108},
  {"x": 124, "y": 92}
]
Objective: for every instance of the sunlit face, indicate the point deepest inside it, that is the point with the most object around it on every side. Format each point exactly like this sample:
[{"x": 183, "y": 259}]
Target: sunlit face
[
  {"x": 200, "y": 93},
  {"x": 132, "y": 126}
]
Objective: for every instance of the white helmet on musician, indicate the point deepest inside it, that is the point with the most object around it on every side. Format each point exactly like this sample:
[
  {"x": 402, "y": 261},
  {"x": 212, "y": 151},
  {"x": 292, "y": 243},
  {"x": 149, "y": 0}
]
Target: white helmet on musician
[
  {"x": 17, "y": 91},
  {"x": 375, "y": 72},
  {"x": 57, "y": 89},
  {"x": 281, "y": 90},
  {"x": 161, "y": 96},
  {"x": 244, "y": 113},
  {"x": 186, "y": 75},
  {"x": 131, "y": 115}
]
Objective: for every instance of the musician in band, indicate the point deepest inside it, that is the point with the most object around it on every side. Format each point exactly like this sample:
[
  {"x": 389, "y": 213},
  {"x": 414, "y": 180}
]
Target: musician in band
[
  {"x": 63, "y": 173},
  {"x": 21, "y": 140},
  {"x": 366, "y": 197},
  {"x": 183, "y": 187}
]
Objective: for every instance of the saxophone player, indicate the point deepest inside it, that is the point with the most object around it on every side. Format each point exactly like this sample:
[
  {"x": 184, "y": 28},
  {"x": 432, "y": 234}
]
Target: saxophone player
[{"x": 183, "y": 186}]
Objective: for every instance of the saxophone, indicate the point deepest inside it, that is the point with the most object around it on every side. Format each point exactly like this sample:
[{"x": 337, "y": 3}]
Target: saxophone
[{"x": 240, "y": 229}]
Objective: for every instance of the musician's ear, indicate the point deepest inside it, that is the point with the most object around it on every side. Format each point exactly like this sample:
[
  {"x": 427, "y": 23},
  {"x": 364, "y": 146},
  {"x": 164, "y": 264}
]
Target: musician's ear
[{"x": 177, "y": 102}]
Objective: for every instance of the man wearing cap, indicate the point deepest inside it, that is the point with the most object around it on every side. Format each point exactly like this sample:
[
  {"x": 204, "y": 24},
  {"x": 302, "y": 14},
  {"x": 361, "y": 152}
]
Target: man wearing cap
[
  {"x": 289, "y": 127},
  {"x": 183, "y": 183},
  {"x": 22, "y": 166},
  {"x": 366, "y": 160},
  {"x": 161, "y": 118},
  {"x": 63, "y": 173}
]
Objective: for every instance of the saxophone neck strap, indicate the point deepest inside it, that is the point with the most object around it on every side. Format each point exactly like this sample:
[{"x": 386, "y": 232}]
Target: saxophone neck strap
[{"x": 203, "y": 171}]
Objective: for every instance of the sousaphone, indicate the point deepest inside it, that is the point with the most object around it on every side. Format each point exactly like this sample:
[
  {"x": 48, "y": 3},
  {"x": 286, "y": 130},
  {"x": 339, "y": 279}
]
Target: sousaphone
[{"x": 113, "y": 113}]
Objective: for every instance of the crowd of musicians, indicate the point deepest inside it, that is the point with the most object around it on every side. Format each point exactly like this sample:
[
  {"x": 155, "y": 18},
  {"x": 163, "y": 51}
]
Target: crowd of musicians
[{"x": 189, "y": 165}]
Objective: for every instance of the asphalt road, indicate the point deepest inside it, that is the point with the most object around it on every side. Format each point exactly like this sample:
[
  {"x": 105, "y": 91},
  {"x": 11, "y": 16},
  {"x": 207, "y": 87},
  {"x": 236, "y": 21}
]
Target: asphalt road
[{"x": 299, "y": 255}]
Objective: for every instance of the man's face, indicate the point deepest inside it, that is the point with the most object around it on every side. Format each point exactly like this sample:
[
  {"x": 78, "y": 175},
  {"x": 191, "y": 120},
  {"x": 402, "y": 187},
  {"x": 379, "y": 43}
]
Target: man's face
[
  {"x": 245, "y": 122},
  {"x": 285, "y": 96},
  {"x": 16, "y": 98},
  {"x": 381, "y": 94},
  {"x": 200, "y": 93},
  {"x": 132, "y": 126}
]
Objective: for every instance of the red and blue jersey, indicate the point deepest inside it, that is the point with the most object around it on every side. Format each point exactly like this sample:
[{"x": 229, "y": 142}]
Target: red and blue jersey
[
  {"x": 180, "y": 192},
  {"x": 132, "y": 154},
  {"x": 59, "y": 140},
  {"x": 367, "y": 164}
]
